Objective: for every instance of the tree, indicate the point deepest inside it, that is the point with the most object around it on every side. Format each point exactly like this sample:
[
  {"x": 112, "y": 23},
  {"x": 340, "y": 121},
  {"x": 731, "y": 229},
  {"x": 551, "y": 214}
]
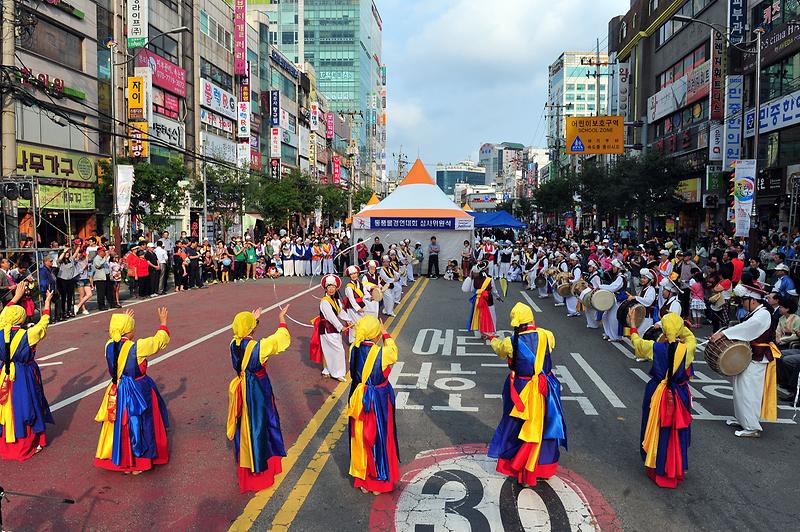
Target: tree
[
  {"x": 555, "y": 195},
  {"x": 647, "y": 185},
  {"x": 598, "y": 190},
  {"x": 275, "y": 201},
  {"x": 158, "y": 192},
  {"x": 226, "y": 189}
]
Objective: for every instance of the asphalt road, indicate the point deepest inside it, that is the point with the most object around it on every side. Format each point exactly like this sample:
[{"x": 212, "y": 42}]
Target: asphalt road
[{"x": 448, "y": 384}]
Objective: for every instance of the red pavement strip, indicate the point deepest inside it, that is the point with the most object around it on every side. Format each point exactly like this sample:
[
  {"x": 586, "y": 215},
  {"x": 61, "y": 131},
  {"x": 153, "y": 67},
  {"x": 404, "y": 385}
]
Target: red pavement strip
[{"x": 198, "y": 488}]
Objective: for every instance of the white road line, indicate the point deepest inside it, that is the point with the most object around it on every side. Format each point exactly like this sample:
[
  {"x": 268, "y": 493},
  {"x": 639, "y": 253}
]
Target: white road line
[
  {"x": 58, "y": 353},
  {"x": 585, "y": 404},
  {"x": 624, "y": 351},
  {"x": 494, "y": 366},
  {"x": 97, "y": 387},
  {"x": 50, "y": 364},
  {"x": 566, "y": 378},
  {"x": 492, "y": 396},
  {"x": 533, "y": 305},
  {"x": 598, "y": 381}
]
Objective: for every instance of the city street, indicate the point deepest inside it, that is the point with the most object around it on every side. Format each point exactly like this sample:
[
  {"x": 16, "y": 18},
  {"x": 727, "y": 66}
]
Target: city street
[{"x": 447, "y": 385}]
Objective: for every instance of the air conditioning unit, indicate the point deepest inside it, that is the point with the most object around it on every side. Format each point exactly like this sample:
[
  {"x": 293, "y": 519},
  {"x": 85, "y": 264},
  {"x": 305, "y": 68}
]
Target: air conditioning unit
[{"x": 710, "y": 201}]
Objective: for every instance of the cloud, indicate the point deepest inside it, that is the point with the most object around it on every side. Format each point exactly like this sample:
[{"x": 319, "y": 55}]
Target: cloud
[{"x": 464, "y": 72}]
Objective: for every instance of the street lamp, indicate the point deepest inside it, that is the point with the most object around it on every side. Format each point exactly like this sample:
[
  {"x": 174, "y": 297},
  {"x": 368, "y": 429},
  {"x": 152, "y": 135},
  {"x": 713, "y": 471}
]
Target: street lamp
[{"x": 112, "y": 45}]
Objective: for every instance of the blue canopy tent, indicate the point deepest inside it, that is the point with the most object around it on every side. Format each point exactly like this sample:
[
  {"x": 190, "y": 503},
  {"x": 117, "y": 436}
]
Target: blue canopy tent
[{"x": 497, "y": 219}]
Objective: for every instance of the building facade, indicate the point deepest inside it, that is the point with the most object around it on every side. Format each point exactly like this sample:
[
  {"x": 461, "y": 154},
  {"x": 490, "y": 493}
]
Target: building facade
[
  {"x": 577, "y": 86},
  {"x": 343, "y": 44},
  {"x": 670, "y": 75},
  {"x": 464, "y": 172}
]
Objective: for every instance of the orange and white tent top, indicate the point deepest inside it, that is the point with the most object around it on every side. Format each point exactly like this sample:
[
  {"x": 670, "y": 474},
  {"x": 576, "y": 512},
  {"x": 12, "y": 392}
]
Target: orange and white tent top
[
  {"x": 467, "y": 208},
  {"x": 417, "y": 196}
]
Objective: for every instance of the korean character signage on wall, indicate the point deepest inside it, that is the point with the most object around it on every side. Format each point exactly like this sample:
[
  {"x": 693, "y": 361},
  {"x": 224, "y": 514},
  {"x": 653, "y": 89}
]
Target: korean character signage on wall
[
  {"x": 717, "y": 85},
  {"x": 732, "y": 139},
  {"x": 240, "y": 37},
  {"x": 217, "y": 99},
  {"x": 137, "y": 23},
  {"x": 737, "y": 20},
  {"x": 275, "y": 108},
  {"x": 136, "y": 98}
]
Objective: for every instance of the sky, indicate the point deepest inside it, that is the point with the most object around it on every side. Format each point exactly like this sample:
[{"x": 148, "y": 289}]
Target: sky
[{"x": 464, "y": 72}]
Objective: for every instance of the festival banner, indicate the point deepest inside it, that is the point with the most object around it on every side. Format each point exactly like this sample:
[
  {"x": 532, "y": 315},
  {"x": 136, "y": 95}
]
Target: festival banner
[
  {"x": 744, "y": 184},
  {"x": 337, "y": 170}
]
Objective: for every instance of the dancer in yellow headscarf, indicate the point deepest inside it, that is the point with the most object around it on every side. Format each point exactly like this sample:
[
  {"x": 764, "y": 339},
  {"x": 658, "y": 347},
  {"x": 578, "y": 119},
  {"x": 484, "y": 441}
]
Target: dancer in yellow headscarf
[
  {"x": 23, "y": 406},
  {"x": 374, "y": 457},
  {"x": 666, "y": 417},
  {"x": 527, "y": 439},
  {"x": 253, "y": 422},
  {"x": 134, "y": 417}
]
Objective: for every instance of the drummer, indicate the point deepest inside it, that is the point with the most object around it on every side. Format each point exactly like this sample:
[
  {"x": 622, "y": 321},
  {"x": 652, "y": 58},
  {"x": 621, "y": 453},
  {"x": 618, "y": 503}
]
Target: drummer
[
  {"x": 571, "y": 301},
  {"x": 754, "y": 390},
  {"x": 562, "y": 266},
  {"x": 593, "y": 278},
  {"x": 671, "y": 293},
  {"x": 616, "y": 285},
  {"x": 647, "y": 298}
]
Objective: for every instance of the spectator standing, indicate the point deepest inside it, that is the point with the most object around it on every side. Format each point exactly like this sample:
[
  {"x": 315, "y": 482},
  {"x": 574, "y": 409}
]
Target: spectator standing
[
  {"x": 433, "y": 258},
  {"x": 251, "y": 259},
  {"x": 66, "y": 283},
  {"x": 47, "y": 281},
  {"x": 192, "y": 253},
  {"x": 83, "y": 267},
  {"x": 361, "y": 253},
  {"x": 152, "y": 263},
  {"x": 376, "y": 250},
  {"x": 142, "y": 273},
  {"x": 115, "y": 277},
  {"x": 162, "y": 256},
  {"x": 100, "y": 279},
  {"x": 238, "y": 259}
]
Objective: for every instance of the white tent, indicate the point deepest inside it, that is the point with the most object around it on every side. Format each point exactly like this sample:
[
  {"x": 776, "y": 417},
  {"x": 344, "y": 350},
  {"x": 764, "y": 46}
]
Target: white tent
[{"x": 418, "y": 210}]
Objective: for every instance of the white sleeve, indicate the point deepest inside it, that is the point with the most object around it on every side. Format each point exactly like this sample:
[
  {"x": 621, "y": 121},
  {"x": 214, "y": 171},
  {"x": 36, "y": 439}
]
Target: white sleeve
[
  {"x": 495, "y": 293},
  {"x": 676, "y": 307},
  {"x": 577, "y": 273},
  {"x": 751, "y": 328},
  {"x": 648, "y": 298},
  {"x": 330, "y": 315},
  {"x": 466, "y": 286},
  {"x": 615, "y": 286},
  {"x": 595, "y": 281}
]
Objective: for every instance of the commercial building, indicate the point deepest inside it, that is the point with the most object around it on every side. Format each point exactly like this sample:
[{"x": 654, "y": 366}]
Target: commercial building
[
  {"x": 577, "y": 86},
  {"x": 504, "y": 163},
  {"x": 343, "y": 43},
  {"x": 478, "y": 197},
  {"x": 464, "y": 172},
  {"x": 670, "y": 75},
  {"x": 57, "y": 143}
]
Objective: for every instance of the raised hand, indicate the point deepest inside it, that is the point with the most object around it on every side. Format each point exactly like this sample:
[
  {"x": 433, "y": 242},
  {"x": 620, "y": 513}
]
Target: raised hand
[
  {"x": 282, "y": 314},
  {"x": 130, "y": 313},
  {"x": 383, "y": 328},
  {"x": 257, "y": 313},
  {"x": 162, "y": 316},
  {"x": 48, "y": 298}
]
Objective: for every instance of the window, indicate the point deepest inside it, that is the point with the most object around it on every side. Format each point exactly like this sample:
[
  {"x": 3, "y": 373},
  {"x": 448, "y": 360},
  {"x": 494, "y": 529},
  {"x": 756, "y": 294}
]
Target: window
[
  {"x": 56, "y": 43},
  {"x": 172, "y": 4},
  {"x": 691, "y": 8},
  {"x": 590, "y": 87},
  {"x": 204, "y": 22},
  {"x": 623, "y": 31},
  {"x": 690, "y": 61},
  {"x": 653, "y": 6},
  {"x": 36, "y": 126},
  {"x": 292, "y": 124},
  {"x": 164, "y": 45},
  {"x": 213, "y": 73},
  {"x": 581, "y": 87},
  {"x": 590, "y": 107},
  {"x": 284, "y": 84},
  {"x": 216, "y": 31},
  {"x": 580, "y": 107},
  {"x": 273, "y": 37},
  {"x": 287, "y": 37},
  {"x": 570, "y": 86},
  {"x": 569, "y": 97},
  {"x": 602, "y": 87}
]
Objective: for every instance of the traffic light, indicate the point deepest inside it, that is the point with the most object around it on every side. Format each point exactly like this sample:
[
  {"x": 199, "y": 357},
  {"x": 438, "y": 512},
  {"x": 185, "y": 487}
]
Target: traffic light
[{"x": 10, "y": 191}]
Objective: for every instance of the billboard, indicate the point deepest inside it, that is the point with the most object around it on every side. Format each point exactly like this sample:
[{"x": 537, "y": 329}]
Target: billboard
[
  {"x": 595, "y": 135},
  {"x": 137, "y": 23},
  {"x": 166, "y": 74},
  {"x": 240, "y": 37}
]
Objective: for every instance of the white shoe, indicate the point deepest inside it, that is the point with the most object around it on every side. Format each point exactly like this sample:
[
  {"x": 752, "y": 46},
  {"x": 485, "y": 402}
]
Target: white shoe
[
  {"x": 85, "y": 312},
  {"x": 76, "y": 309},
  {"x": 747, "y": 434},
  {"x": 733, "y": 423},
  {"x": 559, "y": 305}
]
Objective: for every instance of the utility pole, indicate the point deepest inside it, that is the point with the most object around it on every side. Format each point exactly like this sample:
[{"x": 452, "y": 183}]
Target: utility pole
[
  {"x": 559, "y": 114},
  {"x": 9, "y": 136},
  {"x": 596, "y": 63}
]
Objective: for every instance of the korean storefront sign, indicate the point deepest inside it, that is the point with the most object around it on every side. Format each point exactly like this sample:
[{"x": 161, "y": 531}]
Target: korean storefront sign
[{"x": 58, "y": 164}]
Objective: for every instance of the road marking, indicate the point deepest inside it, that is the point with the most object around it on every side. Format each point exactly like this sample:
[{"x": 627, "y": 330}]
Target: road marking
[
  {"x": 56, "y": 354},
  {"x": 260, "y": 500},
  {"x": 495, "y": 366},
  {"x": 101, "y": 386},
  {"x": 492, "y": 396},
  {"x": 297, "y": 497},
  {"x": 598, "y": 381},
  {"x": 585, "y": 404},
  {"x": 624, "y": 351},
  {"x": 97, "y": 312},
  {"x": 533, "y": 305},
  {"x": 50, "y": 364}
]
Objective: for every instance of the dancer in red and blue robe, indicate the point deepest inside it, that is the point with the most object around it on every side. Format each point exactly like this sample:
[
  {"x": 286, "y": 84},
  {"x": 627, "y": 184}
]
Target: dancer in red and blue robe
[
  {"x": 253, "y": 421},
  {"x": 482, "y": 315},
  {"x": 527, "y": 440},
  {"x": 666, "y": 418},
  {"x": 374, "y": 455},
  {"x": 134, "y": 417},
  {"x": 23, "y": 406}
]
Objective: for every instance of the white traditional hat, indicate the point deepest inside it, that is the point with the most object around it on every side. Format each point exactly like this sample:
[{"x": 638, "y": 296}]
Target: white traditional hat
[{"x": 331, "y": 280}]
